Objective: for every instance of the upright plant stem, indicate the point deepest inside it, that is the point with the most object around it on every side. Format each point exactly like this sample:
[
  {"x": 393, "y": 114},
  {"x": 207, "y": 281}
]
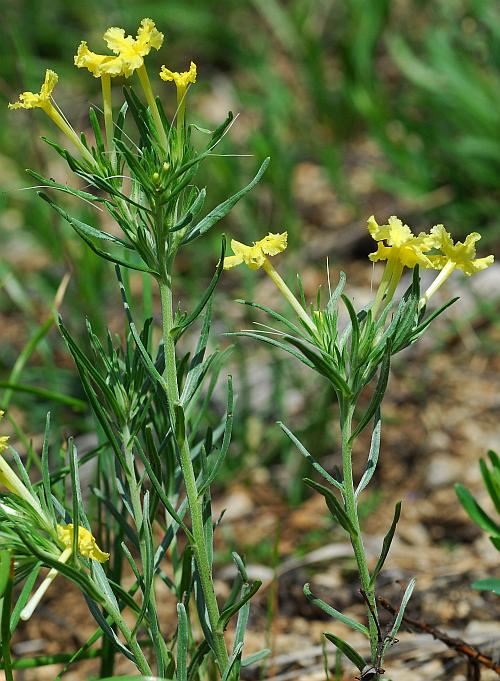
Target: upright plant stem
[
  {"x": 356, "y": 538},
  {"x": 195, "y": 503}
]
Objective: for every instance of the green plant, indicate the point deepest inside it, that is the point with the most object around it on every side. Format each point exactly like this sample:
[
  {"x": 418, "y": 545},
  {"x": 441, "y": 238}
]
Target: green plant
[
  {"x": 157, "y": 457},
  {"x": 352, "y": 360},
  {"x": 491, "y": 479}
]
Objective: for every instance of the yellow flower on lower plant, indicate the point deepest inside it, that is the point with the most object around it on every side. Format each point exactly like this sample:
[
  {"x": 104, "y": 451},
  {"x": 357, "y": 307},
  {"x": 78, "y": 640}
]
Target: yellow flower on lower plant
[
  {"x": 401, "y": 244},
  {"x": 462, "y": 255},
  {"x": 255, "y": 256},
  {"x": 30, "y": 100},
  {"x": 459, "y": 255},
  {"x": 87, "y": 545},
  {"x": 129, "y": 51},
  {"x": 181, "y": 79}
]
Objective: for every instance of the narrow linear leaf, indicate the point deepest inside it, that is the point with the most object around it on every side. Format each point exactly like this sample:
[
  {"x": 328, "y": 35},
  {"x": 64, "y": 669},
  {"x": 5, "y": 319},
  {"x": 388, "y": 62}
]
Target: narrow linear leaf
[
  {"x": 182, "y": 643},
  {"x": 399, "y": 618},
  {"x": 490, "y": 584},
  {"x": 335, "y": 507},
  {"x": 371, "y": 464},
  {"x": 332, "y": 612},
  {"x": 475, "y": 512},
  {"x": 310, "y": 457},
  {"x": 377, "y": 395},
  {"x": 386, "y": 545},
  {"x": 348, "y": 650},
  {"x": 223, "y": 208}
]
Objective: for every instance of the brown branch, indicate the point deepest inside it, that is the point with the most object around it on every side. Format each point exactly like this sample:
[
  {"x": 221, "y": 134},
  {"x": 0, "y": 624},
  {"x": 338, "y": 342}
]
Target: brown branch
[{"x": 470, "y": 651}]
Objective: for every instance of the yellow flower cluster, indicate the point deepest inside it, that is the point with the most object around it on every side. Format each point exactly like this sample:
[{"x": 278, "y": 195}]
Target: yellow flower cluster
[
  {"x": 403, "y": 246},
  {"x": 255, "y": 256},
  {"x": 87, "y": 544}
]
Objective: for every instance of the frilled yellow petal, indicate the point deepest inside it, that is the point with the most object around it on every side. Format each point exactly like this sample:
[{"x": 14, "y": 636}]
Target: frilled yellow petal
[
  {"x": 272, "y": 244},
  {"x": 98, "y": 64},
  {"x": 30, "y": 100},
  {"x": 147, "y": 37},
  {"x": 461, "y": 255},
  {"x": 255, "y": 256},
  {"x": 87, "y": 545},
  {"x": 181, "y": 79}
]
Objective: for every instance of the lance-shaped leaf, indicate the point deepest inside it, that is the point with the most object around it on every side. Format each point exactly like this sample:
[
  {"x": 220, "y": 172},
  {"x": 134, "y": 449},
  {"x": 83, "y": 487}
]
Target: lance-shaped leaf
[
  {"x": 348, "y": 650},
  {"x": 378, "y": 395},
  {"x": 492, "y": 478},
  {"x": 489, "y": 584},
  {"x": 399, "y": 617},
  {"x": 310, "y": 457},
  {"x": 386, "y": 544},
  {"x": 227, "y": 613},
  {"x": 223, "y": 208},
  {"x": 371, "y": 464},
  {"x": 332, "y": 612},
  {"x": 334, "y": 505},
  {"x": 182, "y": 643},
  {"x": 476, "y": 512}
]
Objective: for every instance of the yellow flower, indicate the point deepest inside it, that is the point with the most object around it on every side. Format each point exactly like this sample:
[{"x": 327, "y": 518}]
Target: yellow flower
[
  {"x": 130, "y": 51},
  {"x": 462, "y": 255},
  {"x": 87, "y": 545},
  {"x": 182, "y": 79},
  {"x": 255, "y": 256},
  {"x": 401, "y": 244},
  {"x": 29, "y": 100}
]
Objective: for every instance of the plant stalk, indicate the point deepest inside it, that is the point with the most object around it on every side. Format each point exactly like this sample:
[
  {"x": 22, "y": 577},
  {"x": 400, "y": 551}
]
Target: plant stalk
[
  {"x": 195, "y": 503},
  {"x": 357, "y": 539}
]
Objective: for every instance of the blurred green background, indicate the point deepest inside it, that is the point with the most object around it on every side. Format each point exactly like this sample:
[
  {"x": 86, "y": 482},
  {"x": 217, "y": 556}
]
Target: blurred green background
[{"x": 385, "y": 107}]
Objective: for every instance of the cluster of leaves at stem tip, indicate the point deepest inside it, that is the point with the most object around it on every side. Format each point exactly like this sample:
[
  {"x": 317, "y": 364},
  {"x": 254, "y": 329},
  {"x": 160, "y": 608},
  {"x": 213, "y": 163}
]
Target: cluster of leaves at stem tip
[{"x": 161, "y": 445}]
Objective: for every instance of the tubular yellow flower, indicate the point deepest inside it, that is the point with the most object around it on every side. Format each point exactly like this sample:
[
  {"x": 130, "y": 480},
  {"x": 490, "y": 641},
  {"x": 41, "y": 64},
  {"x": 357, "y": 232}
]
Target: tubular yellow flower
[
  {"x": 401, "y": 244},
  {"x": 129, "y": 51},
  {"x": 461, "y": 256},
  {"x": 255, "y": 256},
  {"x": 29, "y": 100},
  {"x": 12, "y": 482},
  {"x": 42, "y": 100},
  {"x": 182, "y": 79},
  {"x": 87, "y": 545}
]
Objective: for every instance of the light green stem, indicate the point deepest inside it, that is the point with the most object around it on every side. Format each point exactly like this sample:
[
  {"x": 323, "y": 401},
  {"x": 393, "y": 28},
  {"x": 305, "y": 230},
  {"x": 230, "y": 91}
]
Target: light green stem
[
  {"x": 108, "y": 114},
  {"x": 56, "y": 118},
  {"x": 289, "y": 297},
  {"x": 141, "y": 662},
  {"x": 356, "y": 538},
  {"x": 194, "y": 501},
  {"x": 146, "y": 86},
  {"x": 437, "y": 283},
  {"x": 384, "y": 283}
]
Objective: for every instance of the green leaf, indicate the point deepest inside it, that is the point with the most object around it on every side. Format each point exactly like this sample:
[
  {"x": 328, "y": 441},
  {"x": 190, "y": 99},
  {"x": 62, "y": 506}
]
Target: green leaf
[
  {"x": 4, "y": 571},
  {"x": 399, "y": 617},
  {"x": 178, "y": 330},
  {"x": 223, "y": 208},
  {"x": 256, "y": 657},
  {"x": 310, "y": 457},
  {"x": 23, "y": 597},
  {"x": 348, "y": 651},
  {"x": 490, "y": 584},
  {"x": 5, "y": 618},
  {"x": 475, "y": 511},
  {"x": 386, "y": 545},
  {"x": 334, "y": 505},
  {"x": 492, "y": 478},
  {"x": 378, "y": 395},
  {"x": 182, "y": 643},
  {"x": 332, "y": 612},
  {"x": 371, "y": 464},
  {"x": 334, "y": 298},
  {"x": 227, "y": 613}
]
